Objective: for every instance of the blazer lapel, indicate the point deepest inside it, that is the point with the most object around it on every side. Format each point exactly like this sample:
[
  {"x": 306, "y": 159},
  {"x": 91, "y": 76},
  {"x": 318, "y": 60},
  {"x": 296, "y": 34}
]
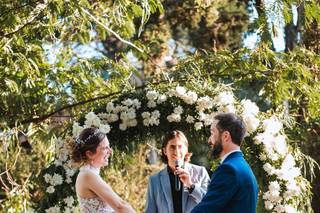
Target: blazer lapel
[
  {"x": 185, "y": 191},
  {"x": 166, "y": 188}
]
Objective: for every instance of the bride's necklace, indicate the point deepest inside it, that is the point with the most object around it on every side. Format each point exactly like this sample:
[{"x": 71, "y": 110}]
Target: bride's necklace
[{"x": 88, "y": 167}]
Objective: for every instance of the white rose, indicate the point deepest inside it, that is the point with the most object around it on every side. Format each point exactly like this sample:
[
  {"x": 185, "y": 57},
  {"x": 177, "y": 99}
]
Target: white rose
[
  {"x": 272, "y": 125},
  {"x": 105, "y": 128},
  {"x": 180, "y": 91},
  {"x": 224, "y": 98},
  {"x": 249, "y": 108},
  {"x": 251, "y": 123},
  {"x": 161, "y": 99}
]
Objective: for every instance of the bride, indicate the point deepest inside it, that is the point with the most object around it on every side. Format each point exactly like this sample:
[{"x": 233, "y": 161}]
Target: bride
[{"x": 92, "y": 150}]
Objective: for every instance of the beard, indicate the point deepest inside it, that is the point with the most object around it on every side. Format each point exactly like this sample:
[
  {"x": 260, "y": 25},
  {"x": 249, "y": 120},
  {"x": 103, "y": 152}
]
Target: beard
[{"x": 217, "y": 149}]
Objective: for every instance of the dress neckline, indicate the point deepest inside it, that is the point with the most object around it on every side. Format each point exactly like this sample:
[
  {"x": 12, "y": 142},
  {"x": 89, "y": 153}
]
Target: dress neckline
[{"x": 88, "y": 167}]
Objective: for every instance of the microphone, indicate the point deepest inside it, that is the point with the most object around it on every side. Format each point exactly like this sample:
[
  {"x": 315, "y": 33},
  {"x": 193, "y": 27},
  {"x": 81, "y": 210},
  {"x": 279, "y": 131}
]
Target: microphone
[{"x": 177, "y": 182}]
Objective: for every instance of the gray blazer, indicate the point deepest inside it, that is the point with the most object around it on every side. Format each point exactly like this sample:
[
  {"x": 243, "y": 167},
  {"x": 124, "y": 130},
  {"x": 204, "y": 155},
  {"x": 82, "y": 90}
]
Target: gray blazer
[{"x": 159, "y": 197}]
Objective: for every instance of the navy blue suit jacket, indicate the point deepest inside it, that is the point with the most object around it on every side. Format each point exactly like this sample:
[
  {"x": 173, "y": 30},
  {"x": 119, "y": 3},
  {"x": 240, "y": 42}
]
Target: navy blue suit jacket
[{"x": 233, "y": 188}]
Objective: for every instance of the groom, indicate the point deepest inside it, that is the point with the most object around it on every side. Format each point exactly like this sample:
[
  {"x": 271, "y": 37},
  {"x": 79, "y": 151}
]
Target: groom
[{"x": 233, "y": 187}]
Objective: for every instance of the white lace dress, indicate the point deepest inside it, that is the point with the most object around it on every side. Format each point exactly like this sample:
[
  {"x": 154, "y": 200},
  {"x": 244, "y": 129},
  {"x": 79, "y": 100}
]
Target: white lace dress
[{"x": 95, "y": 204}]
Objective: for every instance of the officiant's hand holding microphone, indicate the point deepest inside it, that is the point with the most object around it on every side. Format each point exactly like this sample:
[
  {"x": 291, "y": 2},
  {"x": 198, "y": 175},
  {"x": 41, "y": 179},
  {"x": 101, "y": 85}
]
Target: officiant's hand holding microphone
[{"x": 182, "y": 176}]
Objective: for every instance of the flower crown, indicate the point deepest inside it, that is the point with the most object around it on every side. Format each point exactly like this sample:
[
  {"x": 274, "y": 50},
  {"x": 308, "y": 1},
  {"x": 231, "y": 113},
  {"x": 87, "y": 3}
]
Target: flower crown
[{"x": 79, "y": 141}]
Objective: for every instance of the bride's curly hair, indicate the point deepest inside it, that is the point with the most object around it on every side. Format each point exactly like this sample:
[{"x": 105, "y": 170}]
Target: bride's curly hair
[{"x": 88, "y": 140}]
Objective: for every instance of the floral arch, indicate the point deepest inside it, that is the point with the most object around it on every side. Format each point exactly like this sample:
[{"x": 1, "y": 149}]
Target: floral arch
[{"x": 150, "y": 112}]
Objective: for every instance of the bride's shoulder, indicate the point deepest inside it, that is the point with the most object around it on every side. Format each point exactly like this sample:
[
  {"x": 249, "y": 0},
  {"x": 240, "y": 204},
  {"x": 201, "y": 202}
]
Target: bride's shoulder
[{"x": 88, "y": 172}]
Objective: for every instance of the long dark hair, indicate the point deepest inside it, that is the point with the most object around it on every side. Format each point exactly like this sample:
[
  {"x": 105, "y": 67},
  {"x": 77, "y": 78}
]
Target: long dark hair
[{"x": 88, "y": 140}]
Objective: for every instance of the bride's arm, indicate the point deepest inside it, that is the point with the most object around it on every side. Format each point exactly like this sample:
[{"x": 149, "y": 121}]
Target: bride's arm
[{"x": 105, "y": 193}]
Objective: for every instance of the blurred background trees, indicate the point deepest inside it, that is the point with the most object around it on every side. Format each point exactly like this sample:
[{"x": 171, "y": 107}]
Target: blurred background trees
[{"x": 59, "y": 59}]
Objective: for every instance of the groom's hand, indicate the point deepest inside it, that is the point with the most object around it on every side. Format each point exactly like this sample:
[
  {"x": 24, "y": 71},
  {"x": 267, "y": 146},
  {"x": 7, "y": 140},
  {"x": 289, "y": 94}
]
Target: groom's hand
[{"x": 184, "y": 176}]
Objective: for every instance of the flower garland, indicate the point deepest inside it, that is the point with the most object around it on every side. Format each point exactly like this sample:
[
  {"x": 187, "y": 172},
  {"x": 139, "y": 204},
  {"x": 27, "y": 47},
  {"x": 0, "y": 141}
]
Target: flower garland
[{"x": 286, "y": 186}]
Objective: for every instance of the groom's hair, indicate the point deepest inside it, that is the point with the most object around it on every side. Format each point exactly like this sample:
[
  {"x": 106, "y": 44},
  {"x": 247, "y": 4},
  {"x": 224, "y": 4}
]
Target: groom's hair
[
  {"x": 233, "y": 124},
  {"x": 172, "y": 135}
]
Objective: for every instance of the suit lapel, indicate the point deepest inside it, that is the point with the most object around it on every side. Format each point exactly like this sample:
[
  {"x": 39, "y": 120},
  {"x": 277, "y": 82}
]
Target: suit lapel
[
  {"x": 165, "y": 185},
  {"x": 185, "y": 193}
]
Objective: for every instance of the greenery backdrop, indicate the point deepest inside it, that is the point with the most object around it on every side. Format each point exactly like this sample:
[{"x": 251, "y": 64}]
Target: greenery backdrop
[{"x": 48, "y": 76}]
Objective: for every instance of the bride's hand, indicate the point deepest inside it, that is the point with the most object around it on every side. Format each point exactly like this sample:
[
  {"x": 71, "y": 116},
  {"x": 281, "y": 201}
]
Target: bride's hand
[{"x": 126, "y": 208}]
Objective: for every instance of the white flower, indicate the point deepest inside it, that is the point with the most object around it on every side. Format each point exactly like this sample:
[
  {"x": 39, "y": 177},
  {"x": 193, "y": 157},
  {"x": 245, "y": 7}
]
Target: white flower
[
  {"x": 224, "y": 98},
  {"x": 227, "y": 108},
  {"x": 266, "y": 139},
  {"x": 110, "y": 107},
  {"x": 198, "y": 125},
  {"x": 190, "y": 97},
  {"x": 54, "y": 209},
  {"x": 180, "y": 91},
  {"x": 68, "y": 180},
  {"x": 145, "y": 114},
  {"x": 105, "y": 128},
  {"x": 123, "y": 126},
  {"x": 249, "y": 108},
  {"x": 50, "y": 189},
  {"x": 152, "y": 104},
  {"x": 268, "y": 204},
  {"x": 112, "y": 117},
  {"x": 174, "y": 117},
  {"x": 70, "y": 172},
  {"x": 262, "y": 157},
  {"x": 69, "y": 201},
  {"x": 272, "y": 125},
  {"x": 56, "y": 179},
  {"x": 128, "y": 102},
  {"x": 268, "y": 168},
  {"x": 136, "y": 103},
  {"x": 92, "y": 120},
  {"x": 76, "y": 129},
  {"x": 190, "y": 119},
  {"x": 279, "y": 208},
  {"x": 178, "y": 110},
  {"x": 274, "y": 186},
  {"x": 156, "y": 114},
  {"x": 161, "y": 99},
  {"x": 290, "y": 209},
  {"x": 152, "y": 95},
  {"x": 131, "y": 113},
  {"x": 251, "y": 123},
  {"x": 67, "y": 210},
  {"x": 280, "y": 145},
  {"x": 47, "y": 178},
  {"x": 204, "y": 103}
]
